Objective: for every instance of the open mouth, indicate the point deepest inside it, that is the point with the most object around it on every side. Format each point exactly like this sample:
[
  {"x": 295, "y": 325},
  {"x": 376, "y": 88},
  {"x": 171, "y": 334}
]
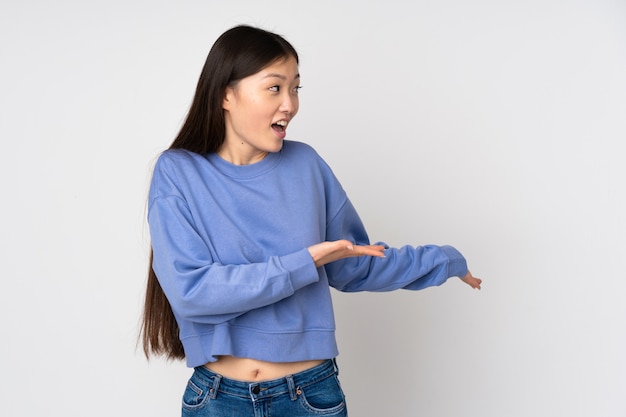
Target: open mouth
[{"x": 280, "y": 126}]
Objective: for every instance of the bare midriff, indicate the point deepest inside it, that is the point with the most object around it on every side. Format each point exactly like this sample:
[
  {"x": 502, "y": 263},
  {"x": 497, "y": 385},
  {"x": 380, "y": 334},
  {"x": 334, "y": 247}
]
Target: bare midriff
[{"x": 252, "y": 370}]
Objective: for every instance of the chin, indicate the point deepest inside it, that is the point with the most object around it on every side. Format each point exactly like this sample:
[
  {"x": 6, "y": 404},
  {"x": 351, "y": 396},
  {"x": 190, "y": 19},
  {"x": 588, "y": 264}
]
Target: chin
[{"x": 277, "y": 147}]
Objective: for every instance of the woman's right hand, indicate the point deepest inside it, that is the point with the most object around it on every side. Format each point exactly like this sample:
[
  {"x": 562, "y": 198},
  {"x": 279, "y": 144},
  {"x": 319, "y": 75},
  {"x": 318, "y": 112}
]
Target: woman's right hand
[{"x": 327, "y": 252}]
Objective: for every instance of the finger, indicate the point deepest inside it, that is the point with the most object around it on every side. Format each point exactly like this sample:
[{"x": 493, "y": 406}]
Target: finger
[
  {"x": 377, "y": 248},
  {"x": 357, "y": 250},
  {"x": 372, "y": 250},
  {"x": 345, "y": 243}
]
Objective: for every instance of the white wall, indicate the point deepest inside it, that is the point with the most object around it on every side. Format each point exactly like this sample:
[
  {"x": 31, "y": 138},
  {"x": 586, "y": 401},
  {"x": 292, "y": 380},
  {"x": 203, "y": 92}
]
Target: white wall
[{"x": 494, "y": 126}]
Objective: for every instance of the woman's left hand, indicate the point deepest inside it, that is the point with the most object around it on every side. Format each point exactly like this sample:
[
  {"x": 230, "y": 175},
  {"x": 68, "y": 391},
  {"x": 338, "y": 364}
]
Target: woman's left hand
[{"x": 472, "y": 281}]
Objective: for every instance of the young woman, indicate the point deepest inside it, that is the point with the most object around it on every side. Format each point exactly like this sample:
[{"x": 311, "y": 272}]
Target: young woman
[{"x": 248, "y": 232}]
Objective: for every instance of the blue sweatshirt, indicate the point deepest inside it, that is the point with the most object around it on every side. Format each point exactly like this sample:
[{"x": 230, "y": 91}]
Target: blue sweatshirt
[{"x": 230, "y": 252}]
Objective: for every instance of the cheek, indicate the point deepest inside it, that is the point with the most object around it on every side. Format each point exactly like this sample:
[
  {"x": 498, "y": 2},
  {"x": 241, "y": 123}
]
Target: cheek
[
  {"x": 251, "y": 114},
  {"x": 257, "y": 110}
]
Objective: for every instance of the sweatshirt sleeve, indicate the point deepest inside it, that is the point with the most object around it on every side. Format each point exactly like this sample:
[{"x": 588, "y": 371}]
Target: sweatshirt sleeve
[
  {"x": 201, "y": 289},
  {"x": 411, "y": 268}
]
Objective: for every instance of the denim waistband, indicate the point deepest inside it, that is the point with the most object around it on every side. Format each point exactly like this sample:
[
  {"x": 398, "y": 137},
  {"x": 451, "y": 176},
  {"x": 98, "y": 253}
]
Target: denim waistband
[{"x": 263, "y": 389}]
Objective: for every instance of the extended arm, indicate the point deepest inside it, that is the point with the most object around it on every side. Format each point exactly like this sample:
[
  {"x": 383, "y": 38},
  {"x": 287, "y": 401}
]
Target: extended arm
[{"x": 407, "y": 267}]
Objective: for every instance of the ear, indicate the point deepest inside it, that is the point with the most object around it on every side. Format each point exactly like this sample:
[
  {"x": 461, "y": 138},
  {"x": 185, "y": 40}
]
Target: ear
[{"x": 229, "y": 98}]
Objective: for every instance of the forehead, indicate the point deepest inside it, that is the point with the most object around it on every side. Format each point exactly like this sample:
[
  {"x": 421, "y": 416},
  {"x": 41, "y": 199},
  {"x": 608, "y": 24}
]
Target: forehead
[{"x": 285, "y": 69}]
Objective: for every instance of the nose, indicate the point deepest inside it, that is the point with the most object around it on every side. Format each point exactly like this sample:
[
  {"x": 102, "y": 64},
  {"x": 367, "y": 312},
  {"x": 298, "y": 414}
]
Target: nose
[{"x": 289, "y": 104}]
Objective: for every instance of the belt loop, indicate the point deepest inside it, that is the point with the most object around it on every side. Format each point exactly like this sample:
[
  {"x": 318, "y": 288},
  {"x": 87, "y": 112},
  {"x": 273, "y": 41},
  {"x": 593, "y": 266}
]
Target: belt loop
[
  {"x": 336, "y": 366},
  {"x": 216, "y": 385},
  {"x": 292, "y": 387}
]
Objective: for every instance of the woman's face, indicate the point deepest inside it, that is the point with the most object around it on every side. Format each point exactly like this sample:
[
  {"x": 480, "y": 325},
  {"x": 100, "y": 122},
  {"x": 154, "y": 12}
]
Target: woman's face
[{"x": 257, "y": 111}]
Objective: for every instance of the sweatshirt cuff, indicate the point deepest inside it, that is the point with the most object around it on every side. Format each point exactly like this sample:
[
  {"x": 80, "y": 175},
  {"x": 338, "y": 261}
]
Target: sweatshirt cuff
[
  {"x": 302, "y": 270},
  {"x": 457, "y": 265}
]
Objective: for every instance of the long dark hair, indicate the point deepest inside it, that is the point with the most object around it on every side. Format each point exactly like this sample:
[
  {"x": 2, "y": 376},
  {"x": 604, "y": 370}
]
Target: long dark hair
[{"x": 238, "y": 53}]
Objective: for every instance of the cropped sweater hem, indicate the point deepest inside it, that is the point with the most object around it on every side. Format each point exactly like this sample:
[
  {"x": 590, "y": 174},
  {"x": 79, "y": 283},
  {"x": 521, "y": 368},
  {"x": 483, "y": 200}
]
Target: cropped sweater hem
[{"x": 266, "y": 346}]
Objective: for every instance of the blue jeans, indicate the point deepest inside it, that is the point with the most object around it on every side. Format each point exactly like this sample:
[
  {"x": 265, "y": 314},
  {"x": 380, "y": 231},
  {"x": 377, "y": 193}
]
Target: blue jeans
[{"x": 314, "y": 392}]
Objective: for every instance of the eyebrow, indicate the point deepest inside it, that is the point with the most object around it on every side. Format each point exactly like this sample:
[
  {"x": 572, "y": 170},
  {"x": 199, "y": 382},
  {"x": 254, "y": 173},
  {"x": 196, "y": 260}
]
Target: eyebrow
[{"x": 281, "y": 76}]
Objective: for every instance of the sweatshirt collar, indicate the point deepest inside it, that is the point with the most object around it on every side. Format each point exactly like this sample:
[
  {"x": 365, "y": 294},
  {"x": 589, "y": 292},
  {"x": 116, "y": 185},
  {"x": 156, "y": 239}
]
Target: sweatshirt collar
[{"x": 245, "y": 171}]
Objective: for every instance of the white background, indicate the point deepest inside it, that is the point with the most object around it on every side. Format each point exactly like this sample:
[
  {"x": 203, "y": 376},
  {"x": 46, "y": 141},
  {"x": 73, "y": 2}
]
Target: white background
[{"x": 494, "y": 126}]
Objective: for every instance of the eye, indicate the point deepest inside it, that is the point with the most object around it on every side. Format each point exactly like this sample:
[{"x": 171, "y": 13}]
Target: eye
[
  {"x": 297, "y": 89},
  {"x": 275, "y": 88}
]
